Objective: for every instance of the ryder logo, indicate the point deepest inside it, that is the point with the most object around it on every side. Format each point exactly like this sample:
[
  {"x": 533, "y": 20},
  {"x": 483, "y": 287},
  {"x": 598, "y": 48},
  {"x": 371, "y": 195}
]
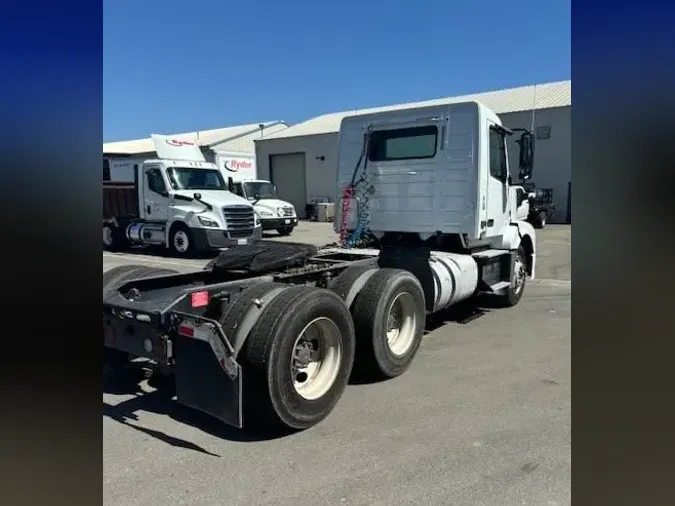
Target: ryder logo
[
  {"x": 236, "y": 165},
  {"x": 179, "y": 143}
]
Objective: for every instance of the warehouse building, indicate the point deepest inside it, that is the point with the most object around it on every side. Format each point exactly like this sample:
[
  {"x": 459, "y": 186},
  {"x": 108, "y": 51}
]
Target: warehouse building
[
  {"x": 236, "y": 138},
  {"x": 302, "y": 159}
]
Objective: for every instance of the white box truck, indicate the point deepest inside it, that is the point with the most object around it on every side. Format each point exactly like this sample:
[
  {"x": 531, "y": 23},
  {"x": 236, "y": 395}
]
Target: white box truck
[
  {"x": 241, "y": 170},
  {"x": 178, "y": 201}
]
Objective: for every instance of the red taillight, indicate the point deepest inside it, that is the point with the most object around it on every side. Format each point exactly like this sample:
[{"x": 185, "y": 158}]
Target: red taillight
[
  {"x": 108, "y": 335},
  {"x": 199, "y": 299},
  {"x": 186, "y": 330}
]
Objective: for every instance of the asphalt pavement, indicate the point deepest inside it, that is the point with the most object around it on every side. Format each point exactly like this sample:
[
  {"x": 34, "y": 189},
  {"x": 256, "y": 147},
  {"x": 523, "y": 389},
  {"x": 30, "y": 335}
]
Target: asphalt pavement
[{"x": 483, "y": 417}]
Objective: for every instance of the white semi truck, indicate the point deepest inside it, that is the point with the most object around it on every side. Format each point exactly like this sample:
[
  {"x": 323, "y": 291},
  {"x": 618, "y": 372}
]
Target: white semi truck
[
  {"x": 275, "y": 330},
  {"x": 241, "y": 170},
  {"x": 178, "y": 201}
]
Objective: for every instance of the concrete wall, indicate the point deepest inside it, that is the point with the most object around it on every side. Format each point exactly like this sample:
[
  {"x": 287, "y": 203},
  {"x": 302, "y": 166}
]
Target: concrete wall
[{"x": 553, "y": 156}]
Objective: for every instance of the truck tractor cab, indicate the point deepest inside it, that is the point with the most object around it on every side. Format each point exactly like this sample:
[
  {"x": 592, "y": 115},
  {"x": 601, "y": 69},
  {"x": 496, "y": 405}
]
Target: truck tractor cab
[
  {"x": 432, "y": 183},
  {"x": 437, "y": 179},
  {"x": 181, "y": 202},
  {"x": 274, "y": 214}
]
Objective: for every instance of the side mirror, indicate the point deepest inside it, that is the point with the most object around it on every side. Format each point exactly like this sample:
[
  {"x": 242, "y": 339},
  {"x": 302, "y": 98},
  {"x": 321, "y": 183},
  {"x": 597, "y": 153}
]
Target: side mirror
[
  {"x": 256, "y": 196},
  {"x": 526, "y": 159},
  {"x": 230, "y": 184},
  {"x": 197, "y": 196},
  {"x": 522, "y": 197}
]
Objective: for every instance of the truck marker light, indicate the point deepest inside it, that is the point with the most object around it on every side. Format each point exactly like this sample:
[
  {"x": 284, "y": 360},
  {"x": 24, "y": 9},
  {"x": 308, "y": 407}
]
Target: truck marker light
[
  {"x": 109, "y": 336},
  {"x": 199, "y": 299},
  {"x": 186, "y": 330}
]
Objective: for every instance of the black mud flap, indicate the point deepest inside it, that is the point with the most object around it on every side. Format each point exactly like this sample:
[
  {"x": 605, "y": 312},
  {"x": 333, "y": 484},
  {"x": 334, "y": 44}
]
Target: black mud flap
[{"x": 208, "y": 379}]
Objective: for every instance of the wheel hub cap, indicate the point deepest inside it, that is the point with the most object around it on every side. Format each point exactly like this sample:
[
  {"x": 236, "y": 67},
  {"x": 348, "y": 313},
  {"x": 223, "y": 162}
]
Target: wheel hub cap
[
  {"x": 317, "y": 355},
  {"x": 401, "y": 324}
]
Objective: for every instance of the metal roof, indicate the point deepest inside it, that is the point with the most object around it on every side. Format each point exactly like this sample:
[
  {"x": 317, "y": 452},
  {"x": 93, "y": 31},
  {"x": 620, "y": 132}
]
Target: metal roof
[
  {"x": 204, "y": 138},
  {"x": 524, "y": 98}
]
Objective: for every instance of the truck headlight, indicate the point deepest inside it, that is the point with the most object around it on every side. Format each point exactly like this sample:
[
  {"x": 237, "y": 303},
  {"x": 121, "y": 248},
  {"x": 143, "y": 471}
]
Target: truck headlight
[
  {"x": 264, "y": 213},
  {"x": 256, "y": 220},
  {"x": 280, "y": 211},
  {"x": 206, "y": 222}
]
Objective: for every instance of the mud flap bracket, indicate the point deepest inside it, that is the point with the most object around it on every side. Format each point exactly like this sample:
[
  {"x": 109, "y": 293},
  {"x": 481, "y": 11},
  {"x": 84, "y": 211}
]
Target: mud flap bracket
[{"x": 208, "y": 378}]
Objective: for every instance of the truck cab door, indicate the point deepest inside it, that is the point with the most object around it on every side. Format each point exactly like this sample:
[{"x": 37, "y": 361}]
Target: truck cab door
[
  {"x": 498, "y": 209},
  {"x": 155, "y": 195}
]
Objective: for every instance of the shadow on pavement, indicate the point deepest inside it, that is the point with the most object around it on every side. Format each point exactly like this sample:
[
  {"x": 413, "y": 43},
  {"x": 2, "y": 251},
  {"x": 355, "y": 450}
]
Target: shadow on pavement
[{"x": 161, "y": 402}]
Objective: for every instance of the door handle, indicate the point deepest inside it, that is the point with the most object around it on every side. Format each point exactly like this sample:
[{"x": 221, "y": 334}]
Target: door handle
[{"x": 148, "y": 208}]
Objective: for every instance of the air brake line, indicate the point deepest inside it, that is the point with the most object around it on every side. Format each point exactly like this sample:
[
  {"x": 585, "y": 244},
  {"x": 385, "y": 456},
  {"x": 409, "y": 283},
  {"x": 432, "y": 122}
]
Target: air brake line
[{"x": 348, "y": 193}]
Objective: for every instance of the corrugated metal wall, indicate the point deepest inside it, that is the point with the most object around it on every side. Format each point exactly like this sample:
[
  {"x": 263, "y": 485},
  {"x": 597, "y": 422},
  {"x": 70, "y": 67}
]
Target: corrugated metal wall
[
  {"x": 245, "y": 144},
  {"x": 553, "y": 158}
]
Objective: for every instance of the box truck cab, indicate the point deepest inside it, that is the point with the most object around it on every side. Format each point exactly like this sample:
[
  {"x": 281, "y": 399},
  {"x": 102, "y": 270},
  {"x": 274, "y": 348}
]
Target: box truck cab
[
  {"x": 241, "y": 173},
  {"x": 178, "y": 201}
]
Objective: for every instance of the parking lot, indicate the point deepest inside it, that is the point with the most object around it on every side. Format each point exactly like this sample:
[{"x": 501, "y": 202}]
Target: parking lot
[{"x": 483, "y": 417}]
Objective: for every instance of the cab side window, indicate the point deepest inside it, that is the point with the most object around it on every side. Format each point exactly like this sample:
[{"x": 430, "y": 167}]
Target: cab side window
[
  {"x": 156, "y": 181},
  {"x": 498, "y": 167}
]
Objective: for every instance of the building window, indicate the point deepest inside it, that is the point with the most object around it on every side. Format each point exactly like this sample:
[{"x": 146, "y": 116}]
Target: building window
[
  {"x": 403, "y": 144},
  {"x": 544, "y": 132}
]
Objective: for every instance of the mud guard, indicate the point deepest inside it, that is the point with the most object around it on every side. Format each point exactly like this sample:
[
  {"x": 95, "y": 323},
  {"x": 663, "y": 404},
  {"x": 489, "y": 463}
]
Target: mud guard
[{"x": 208, "y": 378}]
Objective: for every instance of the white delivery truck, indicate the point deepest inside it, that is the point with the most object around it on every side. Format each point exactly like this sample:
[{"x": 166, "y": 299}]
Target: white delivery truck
[
  {"x": 178, "y": 201},
  {"x": 240, "y": 169},
  {"x": 274, "y": 330}
]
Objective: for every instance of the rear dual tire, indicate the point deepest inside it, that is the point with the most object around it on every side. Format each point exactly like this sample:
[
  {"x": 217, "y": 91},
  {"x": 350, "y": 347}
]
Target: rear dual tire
[
  {"x": 114, "y": 238},
  {"x": 297, "y": 357},
  {"x": 389, "y": 318}
]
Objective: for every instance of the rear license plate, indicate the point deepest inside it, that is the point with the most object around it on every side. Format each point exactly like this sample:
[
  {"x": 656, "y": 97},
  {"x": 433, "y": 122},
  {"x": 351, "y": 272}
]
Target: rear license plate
[
  {"x": 287, "y": 221},
  {"x": 240, "y": 242}
]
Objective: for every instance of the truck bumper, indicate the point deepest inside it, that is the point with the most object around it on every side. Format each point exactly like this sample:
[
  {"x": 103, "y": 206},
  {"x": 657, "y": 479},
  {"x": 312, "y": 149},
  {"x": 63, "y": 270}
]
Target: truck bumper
[
  {"x": 207, "y": 239},
  {"x": 207, "y": 376},
  {"x": 275, "y": 223}
]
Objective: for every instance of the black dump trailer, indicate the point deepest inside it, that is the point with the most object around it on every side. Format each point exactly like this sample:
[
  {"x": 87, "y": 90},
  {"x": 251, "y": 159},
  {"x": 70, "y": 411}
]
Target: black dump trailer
[{"x": 276, "y": 329}]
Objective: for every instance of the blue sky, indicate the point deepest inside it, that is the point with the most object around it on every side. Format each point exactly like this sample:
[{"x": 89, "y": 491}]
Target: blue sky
[{"x": 172, "y": 66}]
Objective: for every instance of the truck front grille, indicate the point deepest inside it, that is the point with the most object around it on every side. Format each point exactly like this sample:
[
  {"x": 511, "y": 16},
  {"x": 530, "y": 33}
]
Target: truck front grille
[{"x": 240, "y": 221}]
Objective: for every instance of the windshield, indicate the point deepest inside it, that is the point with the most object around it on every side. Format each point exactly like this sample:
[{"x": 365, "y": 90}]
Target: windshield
[
  {"x": 184, "y": 178},
  {"x": 260, "y": 189}
]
